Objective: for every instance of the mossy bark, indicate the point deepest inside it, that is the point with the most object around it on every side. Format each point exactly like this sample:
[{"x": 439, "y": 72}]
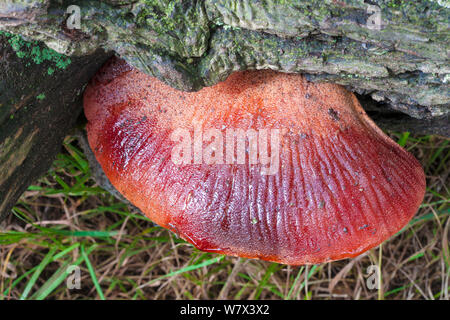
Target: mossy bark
[{"x": 40, "y": 99}]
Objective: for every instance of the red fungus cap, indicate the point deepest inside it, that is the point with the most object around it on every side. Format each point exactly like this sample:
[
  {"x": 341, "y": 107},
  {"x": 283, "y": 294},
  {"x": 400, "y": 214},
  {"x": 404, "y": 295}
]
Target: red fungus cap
[{"x": 341, "y": 187}]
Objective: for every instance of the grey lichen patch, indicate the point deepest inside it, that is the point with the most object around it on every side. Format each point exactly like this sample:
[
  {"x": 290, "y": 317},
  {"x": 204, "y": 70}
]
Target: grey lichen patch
[
  {"x": 284, "y": 18},
  {"x": 340, "y": 61},
  {"x": 24, "y": 9}
]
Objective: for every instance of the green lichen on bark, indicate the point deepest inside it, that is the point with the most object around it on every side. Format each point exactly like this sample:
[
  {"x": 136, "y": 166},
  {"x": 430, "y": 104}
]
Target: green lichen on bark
[
  {"x": 191, "y": 44},
  {"x": 34, "y": 53}
]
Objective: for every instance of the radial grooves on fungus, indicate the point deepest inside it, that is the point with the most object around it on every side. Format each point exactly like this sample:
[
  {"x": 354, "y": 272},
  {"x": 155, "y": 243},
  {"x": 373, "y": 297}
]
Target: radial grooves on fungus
[{"x": 341, "y": 186}]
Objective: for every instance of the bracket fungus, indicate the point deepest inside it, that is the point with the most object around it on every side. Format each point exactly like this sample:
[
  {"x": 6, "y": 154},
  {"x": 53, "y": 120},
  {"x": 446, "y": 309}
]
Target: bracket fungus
[{"x": 268, "y": 166}]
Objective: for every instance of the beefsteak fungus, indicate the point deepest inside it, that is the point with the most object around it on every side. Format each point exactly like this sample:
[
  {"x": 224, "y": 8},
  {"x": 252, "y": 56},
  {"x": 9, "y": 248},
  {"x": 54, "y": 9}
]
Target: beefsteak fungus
[{"x": 329, "y": 185}]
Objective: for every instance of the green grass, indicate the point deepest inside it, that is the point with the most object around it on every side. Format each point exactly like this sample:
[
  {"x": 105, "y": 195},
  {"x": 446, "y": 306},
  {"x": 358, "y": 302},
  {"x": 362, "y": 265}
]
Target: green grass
[{"x": 65, "y": 219}]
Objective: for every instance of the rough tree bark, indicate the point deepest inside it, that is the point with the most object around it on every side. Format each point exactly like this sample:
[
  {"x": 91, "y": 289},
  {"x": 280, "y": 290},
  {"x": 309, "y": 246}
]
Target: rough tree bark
[
  {"x": 40, "y": 99},
  {"x": 399, "y": 67}
]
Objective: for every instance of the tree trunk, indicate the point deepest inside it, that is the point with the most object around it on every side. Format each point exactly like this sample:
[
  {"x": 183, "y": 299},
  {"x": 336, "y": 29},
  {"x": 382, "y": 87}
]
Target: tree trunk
[
  {"x": 397, "y": 64},
  {"x": 393, "y": 51},
  {"x": 40, "y": 100}
]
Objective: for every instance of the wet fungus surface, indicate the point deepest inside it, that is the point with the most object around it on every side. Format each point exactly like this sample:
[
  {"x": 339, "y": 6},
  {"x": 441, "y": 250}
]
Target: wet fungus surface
[{"x": 329, "y": 185}]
